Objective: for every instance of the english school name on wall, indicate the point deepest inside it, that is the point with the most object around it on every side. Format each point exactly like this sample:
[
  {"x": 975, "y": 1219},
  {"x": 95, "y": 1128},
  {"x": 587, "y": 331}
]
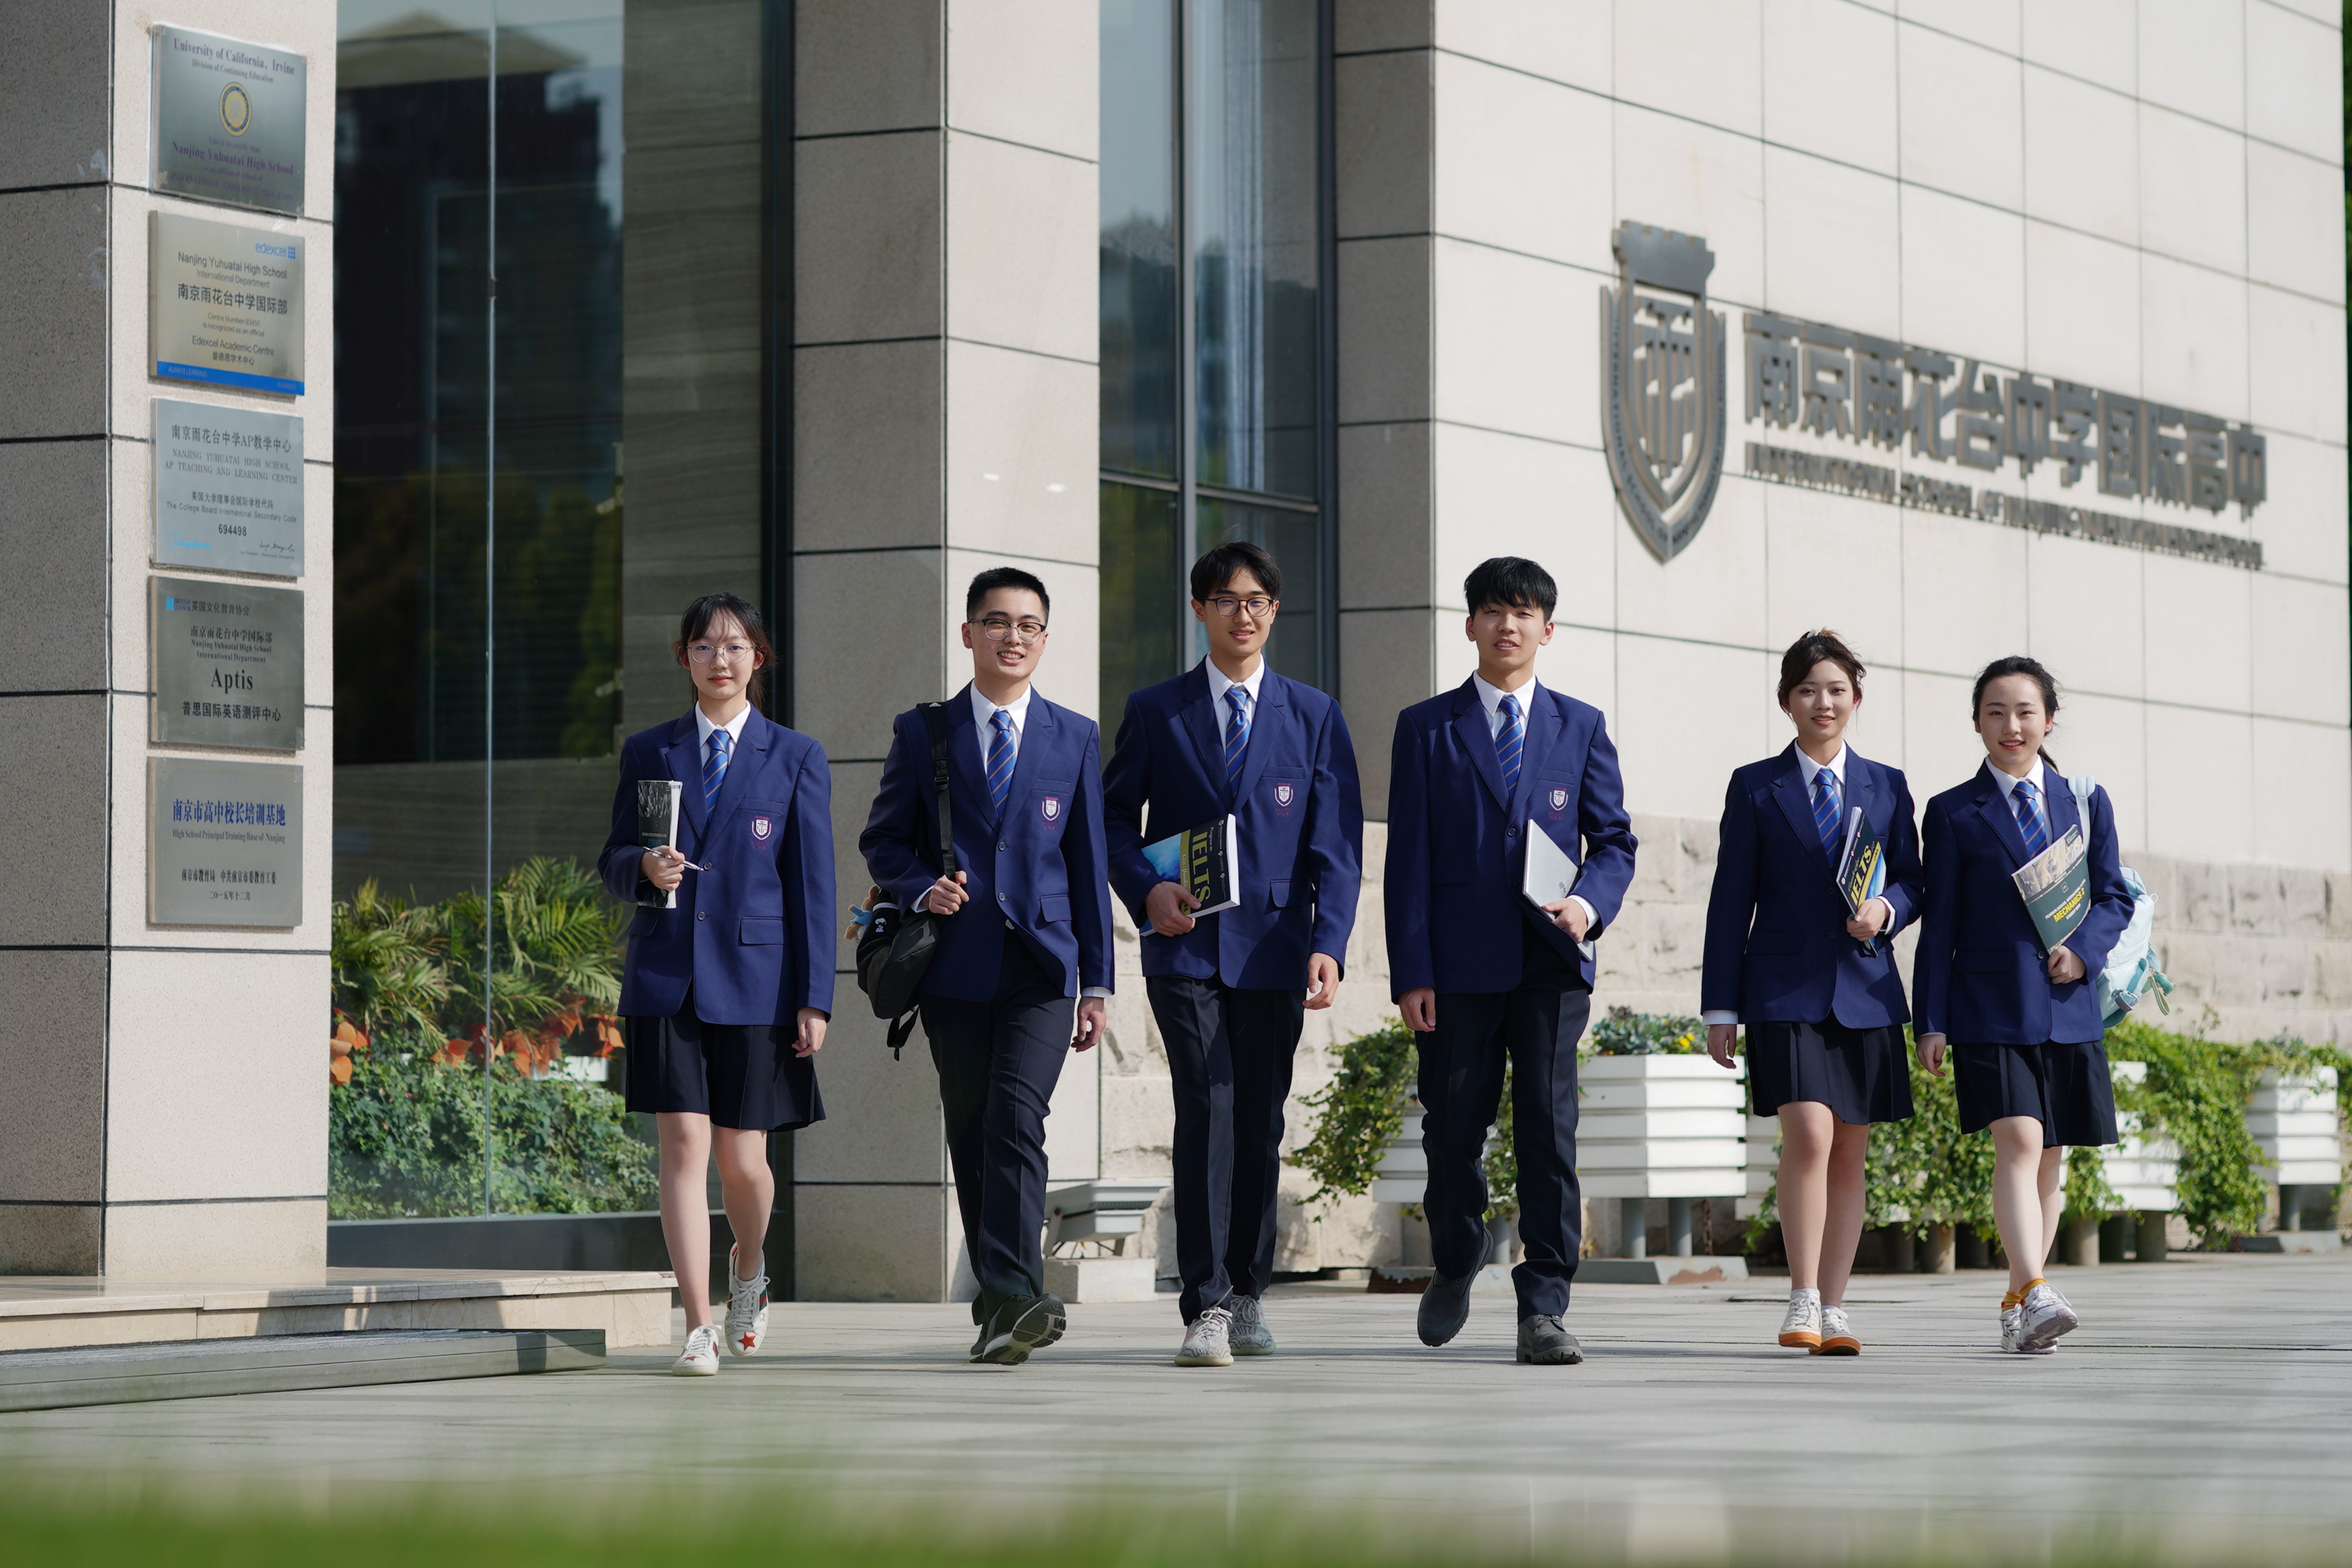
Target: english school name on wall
[{"x": 1665, "y": 425}]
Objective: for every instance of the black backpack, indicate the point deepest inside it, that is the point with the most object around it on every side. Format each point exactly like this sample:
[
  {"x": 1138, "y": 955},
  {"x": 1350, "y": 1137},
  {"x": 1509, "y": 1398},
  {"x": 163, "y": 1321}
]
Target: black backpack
[{"x": 896, "y": 946}]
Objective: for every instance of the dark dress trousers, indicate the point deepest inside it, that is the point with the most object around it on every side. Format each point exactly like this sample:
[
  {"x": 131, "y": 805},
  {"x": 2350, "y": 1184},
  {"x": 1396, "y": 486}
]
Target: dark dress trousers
[
  {"x": 1824, "y": 1017},
  {"x": 997, "y": 1000},
  {"x": 711, "y": 990},
  {"x": 1229, "y": 995},
  {"x": 1509, "y": 983}
]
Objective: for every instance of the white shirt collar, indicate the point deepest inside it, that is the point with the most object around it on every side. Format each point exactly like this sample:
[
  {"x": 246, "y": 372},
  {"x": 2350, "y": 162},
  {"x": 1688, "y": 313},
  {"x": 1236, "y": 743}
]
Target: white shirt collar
[
  {"x": 983, "y": 713},
  {"x": 734, "y": 727},
  {"x": 1808, "y": 768},
  {"x": 1219, "y": 685},
  {"x": 2008, "y": 785},
  {"x": 1490, "y": 697}
]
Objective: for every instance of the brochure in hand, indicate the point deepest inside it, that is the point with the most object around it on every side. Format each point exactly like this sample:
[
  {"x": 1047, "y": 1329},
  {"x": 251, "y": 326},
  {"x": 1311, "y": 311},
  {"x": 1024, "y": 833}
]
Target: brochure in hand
[
  {"x": 657, "y": 806},
  {"x": 1201, "y": 860},
  {"x": 1549, "y": 875},
  {"x": 2056, "y": 887},
  {"x": 1862, "y": 868}
]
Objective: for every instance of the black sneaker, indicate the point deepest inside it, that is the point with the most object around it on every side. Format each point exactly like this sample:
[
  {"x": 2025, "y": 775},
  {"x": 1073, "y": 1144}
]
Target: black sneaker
[
  {"x": 1020, "y": 1325},
  {"x": 1444, "y": 1308},
  {"x": 1544, "y": 1341}
]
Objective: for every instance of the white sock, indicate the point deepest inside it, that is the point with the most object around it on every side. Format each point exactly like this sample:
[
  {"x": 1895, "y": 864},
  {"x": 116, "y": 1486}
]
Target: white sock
[{"x": 1805, "y": 1295}]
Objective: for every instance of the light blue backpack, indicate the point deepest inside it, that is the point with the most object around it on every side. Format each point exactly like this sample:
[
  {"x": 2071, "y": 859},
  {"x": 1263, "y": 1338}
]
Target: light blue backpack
[{"x": 2131, "y": 971}]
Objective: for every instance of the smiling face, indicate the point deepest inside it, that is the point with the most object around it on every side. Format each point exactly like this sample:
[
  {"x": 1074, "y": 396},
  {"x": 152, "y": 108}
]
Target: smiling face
[
  {"x": 1821, "y": 705},
  {"x": 1007, "y": 637},
  {"x": 2012, "y": 720},
  {"x": 1508, "y": 636},
  {"x": 1237, "y": 638},
  {"x": 721, "y": 660}
]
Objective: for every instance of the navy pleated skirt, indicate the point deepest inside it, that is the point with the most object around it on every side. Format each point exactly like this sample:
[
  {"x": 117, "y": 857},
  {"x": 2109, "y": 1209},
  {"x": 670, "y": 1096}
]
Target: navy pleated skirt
[
  {"x": 1860, "y": 1074},
  {"x": 2065, "y": 1086},
  {"x": 740, "y": 1076}
]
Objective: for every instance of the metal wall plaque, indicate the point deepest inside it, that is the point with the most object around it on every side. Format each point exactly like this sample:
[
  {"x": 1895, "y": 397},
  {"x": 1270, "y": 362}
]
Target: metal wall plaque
[
  {"x": 230, "y": 121},
  {"x": 227, "y": 305},
  {"x": 227, "y": 664},
  {"x": 224, "y": 843},
  {"x": 228, "y": 488}
]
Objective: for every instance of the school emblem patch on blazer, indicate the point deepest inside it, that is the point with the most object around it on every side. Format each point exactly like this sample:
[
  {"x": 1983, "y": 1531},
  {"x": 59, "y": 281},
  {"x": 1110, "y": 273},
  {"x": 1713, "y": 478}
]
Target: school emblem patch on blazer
[
  {"x": 1282, "y": 795},
  {"x": 1053, "y": 807},
  {"x": 761, "y": 828},
  {"x": 1662, "y": 379},
  {"x": 1558, "y": 801}
]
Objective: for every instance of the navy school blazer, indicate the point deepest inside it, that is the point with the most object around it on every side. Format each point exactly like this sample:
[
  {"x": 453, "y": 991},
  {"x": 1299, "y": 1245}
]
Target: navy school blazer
[
  {"x": 1300, "y": 819},
  {"x": 1979, "y": 976},
  {"x": 1041, "y": 867},
  {"x": 753, "y": 935},
  {"x": 1455, "y": 859},
  {"x": 1775, "y": 941}
]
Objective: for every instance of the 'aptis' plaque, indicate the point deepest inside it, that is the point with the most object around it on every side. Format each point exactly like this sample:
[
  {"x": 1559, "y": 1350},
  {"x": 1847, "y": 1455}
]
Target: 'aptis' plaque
[{"x": 227, "y": 664}]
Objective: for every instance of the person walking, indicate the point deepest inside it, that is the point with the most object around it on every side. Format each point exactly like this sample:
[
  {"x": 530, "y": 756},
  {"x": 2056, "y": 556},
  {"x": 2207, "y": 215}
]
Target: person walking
[
  {"x": 1813, "y": 980},
  {"x": 1231, "y": 988},
  {"x": 2017, "y": 1019},
  {"x": 728, "y": 983}
]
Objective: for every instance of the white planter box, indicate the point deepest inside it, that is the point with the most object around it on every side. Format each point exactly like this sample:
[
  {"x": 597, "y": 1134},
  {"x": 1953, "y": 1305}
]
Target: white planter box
[
  {"x": 1661, "y": 1127},
  {"x": 2292, "y": 1121},
  {"x": 1763, "y": 1163},
  {"x": 2145, "y": 1173},
  {"x": 1402, "y": 1175},
  {"x": 1098, "y": 1210}
]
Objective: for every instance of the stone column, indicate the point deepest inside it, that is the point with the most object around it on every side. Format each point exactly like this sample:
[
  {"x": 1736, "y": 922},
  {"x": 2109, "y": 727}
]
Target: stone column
[
  {"x": 944, "y": 398},
  {"x": 166, "y": 1110}
]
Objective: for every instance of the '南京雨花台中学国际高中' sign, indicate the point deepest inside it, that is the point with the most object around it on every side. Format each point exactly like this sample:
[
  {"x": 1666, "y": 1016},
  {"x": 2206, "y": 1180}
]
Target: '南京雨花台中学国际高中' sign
[{"x": 226, "y": 306}]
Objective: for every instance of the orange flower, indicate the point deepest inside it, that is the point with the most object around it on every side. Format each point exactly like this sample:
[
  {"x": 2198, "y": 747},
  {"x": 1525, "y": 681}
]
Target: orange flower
[{"x": 340, "y": 1070}]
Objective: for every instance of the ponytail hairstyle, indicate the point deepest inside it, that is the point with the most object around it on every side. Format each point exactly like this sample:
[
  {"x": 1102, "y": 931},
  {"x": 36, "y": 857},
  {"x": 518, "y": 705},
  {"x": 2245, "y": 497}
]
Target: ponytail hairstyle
[
  {"x": 2018, "y": 663},
  {"x": 696, "y": 624},
  {"x": 1814, "y": 648}
]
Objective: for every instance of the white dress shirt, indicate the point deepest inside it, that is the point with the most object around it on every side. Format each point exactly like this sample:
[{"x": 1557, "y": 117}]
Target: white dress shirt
[
  {"x": 1219, "y": 686},
  {"x": 984, "y": 716},
  {"x": 2041, "y": 794},
  {"x": 1809, "y": 772},
  {"x": 1490, "y": 697},
  {"x": 734, "y": 727}
]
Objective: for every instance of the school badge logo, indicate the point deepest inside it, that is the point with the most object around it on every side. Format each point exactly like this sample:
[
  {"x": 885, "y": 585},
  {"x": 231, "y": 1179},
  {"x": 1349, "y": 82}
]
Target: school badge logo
[
  {"x": 761, "y": 828},
  {"x": 1052, "y": 808},
  {"x": 1662, "y": 382},
  {"x": 1559, "y": 800},
  {"x": 1282, "y": 793},
  {"x": 236, "y": 110}
]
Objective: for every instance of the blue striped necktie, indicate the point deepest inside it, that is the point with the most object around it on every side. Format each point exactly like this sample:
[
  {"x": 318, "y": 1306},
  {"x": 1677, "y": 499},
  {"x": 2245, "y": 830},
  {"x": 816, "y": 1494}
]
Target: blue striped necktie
[
  {"x": 714, "y": 767},
  {"x": 2028, "y": 818},
  {"x": 1236, "y": 737},
  {"x": 999, "y": 759},
  {"x": 1510, "y": 745},
  {"x": 1826, "y": 811}
]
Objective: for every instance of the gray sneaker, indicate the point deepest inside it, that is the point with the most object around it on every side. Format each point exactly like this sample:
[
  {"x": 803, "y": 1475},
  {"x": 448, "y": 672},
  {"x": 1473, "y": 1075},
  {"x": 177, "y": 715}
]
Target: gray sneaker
[
  {"x": 1207, "y": 1342},
  {"x": 1544, "y": 1341},
  {"x": 1249, "y": 1335}
]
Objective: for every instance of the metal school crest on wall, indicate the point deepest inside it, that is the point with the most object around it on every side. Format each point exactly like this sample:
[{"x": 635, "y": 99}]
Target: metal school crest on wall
[{"x": 1662, "y": 384}]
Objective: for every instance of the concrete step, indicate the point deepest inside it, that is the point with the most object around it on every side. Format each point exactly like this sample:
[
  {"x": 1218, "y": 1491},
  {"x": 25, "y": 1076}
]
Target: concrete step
[{"x": 194, "y": 1369}]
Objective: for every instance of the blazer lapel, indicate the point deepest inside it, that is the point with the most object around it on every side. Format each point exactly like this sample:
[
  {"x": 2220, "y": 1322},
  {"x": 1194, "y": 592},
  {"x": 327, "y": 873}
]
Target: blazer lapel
[
  {"x": 1993, "y": 807},
  {"x": 750, "y": 755},
  {"x": 967, "y": 773},
  {"x": 683, "y": 756},
  {"x": 2063, "y": 810},
  {"x": 1797, "y": 804},
  {"x": 1202, "y": 725},
  {"x": 1545, "y": 724},
  {"x": 1266, "y": 720},
  {"x": 1037, "y": 736},
  {"x": 1470, "y": 723}
]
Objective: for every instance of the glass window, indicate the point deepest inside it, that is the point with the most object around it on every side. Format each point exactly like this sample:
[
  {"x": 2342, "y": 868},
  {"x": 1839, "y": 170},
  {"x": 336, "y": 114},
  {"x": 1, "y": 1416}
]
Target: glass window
[{"x": 1214, "y": 383}]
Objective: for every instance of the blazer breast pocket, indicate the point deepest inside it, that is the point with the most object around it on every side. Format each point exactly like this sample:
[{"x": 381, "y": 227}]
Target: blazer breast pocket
[
  {"x": 764, "y": 819},
  {"x": 1050, "y": 801},
  {"x": 1285, "y": 794},
  {"x": 1554, "y": 799}
]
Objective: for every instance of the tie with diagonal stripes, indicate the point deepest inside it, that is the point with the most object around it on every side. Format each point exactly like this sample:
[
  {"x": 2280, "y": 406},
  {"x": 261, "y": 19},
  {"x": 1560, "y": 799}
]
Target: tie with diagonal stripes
[
  {"x": 714, "y": 767},
  {"x": 1826, "y": 813},
  {"x": 1000, "y": 759},
  {"x": 2028, "y": 818},
  {"x": 1236, "y": 736},
  {"x": 1510, "y": 743}
]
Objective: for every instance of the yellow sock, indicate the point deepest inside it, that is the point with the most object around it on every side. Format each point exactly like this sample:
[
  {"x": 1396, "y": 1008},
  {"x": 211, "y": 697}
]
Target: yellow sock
[
  {"x": 2012, "y": 1299},
  {"x": 2030, "y": 1284}
]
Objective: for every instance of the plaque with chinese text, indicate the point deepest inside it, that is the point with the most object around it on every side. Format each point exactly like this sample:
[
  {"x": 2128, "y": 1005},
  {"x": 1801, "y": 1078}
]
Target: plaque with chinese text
[
  {"x": 226, "y": 306},
  {"x": 227, "y": 664},
  {"x": 228, "y": 120},
  {"x": 228, "y": 488},
  {"x": 225, "y": 843}
]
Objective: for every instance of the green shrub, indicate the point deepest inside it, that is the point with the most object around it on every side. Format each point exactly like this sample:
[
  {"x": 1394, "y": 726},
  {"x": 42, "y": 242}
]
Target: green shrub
[
  {"x": 1625, "y": 1033},
  {"x": 1359, "y": 1113}
]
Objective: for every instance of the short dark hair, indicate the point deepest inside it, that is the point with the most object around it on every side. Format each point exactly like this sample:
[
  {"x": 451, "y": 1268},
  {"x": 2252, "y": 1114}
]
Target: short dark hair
[
  {"x": 1217, "y": 567},
  {"x": 697, "y": 623},
  {"x": 2015, "y": 664},
  {"x": 1810, "y": 649},
  {"x": 997, "y": 577},
  {"x": 1510, "y": 581}
]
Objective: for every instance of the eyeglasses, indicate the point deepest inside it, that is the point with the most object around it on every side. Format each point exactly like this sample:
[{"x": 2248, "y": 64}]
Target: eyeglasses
[
  {"x": 996, "y": 628},
  {"x": 733, "y": 652},
  {"x": 1257, "y": 606}
]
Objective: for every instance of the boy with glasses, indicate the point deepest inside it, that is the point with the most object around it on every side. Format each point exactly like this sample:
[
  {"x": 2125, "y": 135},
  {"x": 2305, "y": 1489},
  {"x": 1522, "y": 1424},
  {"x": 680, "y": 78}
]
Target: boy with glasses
[
  {"x": 1026, "y": 932},
  {"x": 1229, "y": 990}
]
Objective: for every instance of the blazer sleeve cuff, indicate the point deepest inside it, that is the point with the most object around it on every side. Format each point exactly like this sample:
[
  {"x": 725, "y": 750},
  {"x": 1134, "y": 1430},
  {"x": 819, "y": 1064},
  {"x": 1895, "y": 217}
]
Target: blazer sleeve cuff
[{"x": 1715, "y": 1015}]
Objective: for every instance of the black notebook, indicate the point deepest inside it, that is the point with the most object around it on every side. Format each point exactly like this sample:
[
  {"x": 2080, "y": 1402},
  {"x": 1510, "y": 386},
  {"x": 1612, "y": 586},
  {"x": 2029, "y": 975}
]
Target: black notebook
[{"x": 657, "y": 805}]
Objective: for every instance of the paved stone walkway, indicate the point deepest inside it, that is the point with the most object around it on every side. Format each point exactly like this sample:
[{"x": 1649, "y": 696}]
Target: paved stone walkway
[{"x": 2205, "y": 1407}]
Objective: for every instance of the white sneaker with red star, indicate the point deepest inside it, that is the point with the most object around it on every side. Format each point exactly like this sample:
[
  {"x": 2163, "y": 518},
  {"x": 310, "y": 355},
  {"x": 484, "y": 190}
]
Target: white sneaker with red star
[
  {"x": 747, "y": 1310},
  {"x": 700, "y": 1357}
]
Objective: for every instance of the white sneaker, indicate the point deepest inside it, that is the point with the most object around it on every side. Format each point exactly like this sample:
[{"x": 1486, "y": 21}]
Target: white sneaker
[
  {"x": 747, "y": 1312},
  {"x": 2044, "y": 1315},
  {"x": 1207, "y": 1342},
  {"x": 700, "y": 1357},
  {"x": 1801, "y": 1329},
  {"x": 1837, "y": 1334},
  {"x": 2012, "y": 1318}
]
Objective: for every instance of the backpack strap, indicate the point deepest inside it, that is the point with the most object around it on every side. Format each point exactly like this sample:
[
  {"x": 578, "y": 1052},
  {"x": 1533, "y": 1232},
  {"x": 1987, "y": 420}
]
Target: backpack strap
[{"x": 935, "y": 720}]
